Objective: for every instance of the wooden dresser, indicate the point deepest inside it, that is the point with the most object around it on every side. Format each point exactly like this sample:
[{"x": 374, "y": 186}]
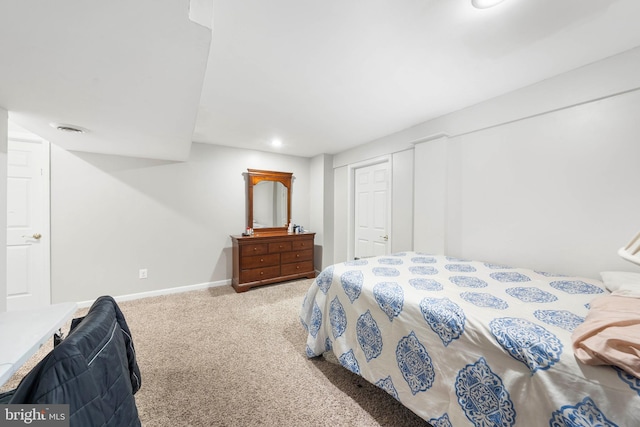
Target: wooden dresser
[{"x": 272, "y": 257}]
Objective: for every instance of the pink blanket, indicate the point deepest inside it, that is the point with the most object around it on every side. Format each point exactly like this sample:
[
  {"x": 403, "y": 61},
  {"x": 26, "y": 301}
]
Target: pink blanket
[{"x": 610, "y": 334}]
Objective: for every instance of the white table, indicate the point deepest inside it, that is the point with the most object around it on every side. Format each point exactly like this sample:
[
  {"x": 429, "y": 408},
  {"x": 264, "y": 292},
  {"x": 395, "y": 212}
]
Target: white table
[{"x": 23, "y": 332}]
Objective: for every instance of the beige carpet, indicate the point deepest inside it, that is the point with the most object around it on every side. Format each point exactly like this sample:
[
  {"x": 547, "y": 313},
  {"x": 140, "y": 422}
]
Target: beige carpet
[{"x": 219, "y": 358}]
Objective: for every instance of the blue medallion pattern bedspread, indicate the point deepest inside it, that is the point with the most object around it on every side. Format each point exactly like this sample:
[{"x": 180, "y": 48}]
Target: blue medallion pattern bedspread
[{"x": 467, "y": 343}]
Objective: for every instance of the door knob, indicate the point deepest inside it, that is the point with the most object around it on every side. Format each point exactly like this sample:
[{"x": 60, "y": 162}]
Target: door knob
[
  {"x": 385, "y": 238},
  {"x": 36, "y": 236}
]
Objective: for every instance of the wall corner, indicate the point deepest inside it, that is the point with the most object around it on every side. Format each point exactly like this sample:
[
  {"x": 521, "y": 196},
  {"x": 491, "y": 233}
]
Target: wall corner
[{"x": 4, "y": 134}]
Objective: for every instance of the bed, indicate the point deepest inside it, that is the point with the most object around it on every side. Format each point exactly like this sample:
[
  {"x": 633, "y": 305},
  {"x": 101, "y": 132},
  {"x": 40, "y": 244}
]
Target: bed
[{"x": 464, "y": 343}]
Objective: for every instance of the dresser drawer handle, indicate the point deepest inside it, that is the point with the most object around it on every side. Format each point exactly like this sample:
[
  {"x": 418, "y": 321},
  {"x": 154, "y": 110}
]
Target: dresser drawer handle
[
  {"x": 297, "y": 255},
  {"x": 261, "y": 259},
  {"x": 255, "y": 249},
  {"x": 297, "y": 267},
  {"x": 261, "y": 273}
]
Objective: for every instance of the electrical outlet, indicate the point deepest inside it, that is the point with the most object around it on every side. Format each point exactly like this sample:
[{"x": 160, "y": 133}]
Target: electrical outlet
[{"x": 142, "y": 274}]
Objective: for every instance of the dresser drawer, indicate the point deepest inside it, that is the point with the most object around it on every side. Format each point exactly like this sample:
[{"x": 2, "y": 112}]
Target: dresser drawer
[
  {"x": 254, "y": 249},
  {"x": 305, "y": 243},
  {"x": 296, "y": 268},
  {"x": 271, "y": 257},
  {"x": 306, "y": 255},
  {"x": 257, "y": 274},
  {"x": 279, "y": 247},
  {"x": 259, "y": 261}
]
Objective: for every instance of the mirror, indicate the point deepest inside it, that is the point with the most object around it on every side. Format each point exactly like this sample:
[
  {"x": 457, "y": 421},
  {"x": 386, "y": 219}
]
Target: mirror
[{"x": 269, "y": 200}]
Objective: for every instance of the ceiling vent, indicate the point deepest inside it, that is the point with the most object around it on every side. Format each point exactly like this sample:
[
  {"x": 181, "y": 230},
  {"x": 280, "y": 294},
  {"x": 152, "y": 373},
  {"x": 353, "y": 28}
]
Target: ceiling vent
[
  {"x": 68, "y": 128},
  {"x": 484, "y": 4}
]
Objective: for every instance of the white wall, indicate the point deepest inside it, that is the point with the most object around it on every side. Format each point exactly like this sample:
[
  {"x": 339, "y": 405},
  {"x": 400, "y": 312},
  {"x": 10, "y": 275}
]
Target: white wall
[
  {"x": 402, "y": 201},
  {"x": 321, "y": 209},
  {"x": 111, "y": 216},
  {"x": 556, "y": 192},
  {"x": 4, "y": 133},
  {"x": 544, "y": 177},
  {"x": 430, "y": 200},
  {"x": 340, "y": 214}
]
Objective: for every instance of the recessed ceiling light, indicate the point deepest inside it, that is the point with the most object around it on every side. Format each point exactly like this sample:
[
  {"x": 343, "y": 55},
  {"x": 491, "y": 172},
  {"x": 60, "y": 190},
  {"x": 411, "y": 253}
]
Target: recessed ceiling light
[
  {"x": 483, "y": 4},
  {"x": 67, "y": 128},
  {"x": 276, "y": 143}
]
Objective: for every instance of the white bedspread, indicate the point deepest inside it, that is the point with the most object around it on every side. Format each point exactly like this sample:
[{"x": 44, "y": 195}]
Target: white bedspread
[{"x": 465, "y": 343}]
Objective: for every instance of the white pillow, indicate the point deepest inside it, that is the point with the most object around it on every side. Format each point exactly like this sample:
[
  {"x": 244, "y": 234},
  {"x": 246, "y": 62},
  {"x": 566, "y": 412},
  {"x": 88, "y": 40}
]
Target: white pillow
[
  {"x": 614, "y": 280},
  {"x": 627, "y": 291}
]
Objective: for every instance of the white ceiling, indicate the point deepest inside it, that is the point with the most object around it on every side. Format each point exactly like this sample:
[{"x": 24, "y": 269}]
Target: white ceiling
[
  {"x": 128, "y": 71},
  {"x": 320, "y": 76}
]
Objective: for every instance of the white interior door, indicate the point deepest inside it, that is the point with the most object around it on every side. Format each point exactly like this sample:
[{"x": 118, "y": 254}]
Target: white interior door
[
  {"x": 371, "y": 210},
  {"x": 28, "y": 280}
]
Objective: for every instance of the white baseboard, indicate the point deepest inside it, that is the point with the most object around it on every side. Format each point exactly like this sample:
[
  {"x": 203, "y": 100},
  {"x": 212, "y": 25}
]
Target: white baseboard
[{"x": 159, "y": 292}]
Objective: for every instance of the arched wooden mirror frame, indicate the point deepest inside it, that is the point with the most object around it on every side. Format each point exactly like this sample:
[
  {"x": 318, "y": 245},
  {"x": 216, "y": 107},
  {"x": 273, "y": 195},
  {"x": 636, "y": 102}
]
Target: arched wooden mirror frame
[{"x": 254, "y": 176}]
